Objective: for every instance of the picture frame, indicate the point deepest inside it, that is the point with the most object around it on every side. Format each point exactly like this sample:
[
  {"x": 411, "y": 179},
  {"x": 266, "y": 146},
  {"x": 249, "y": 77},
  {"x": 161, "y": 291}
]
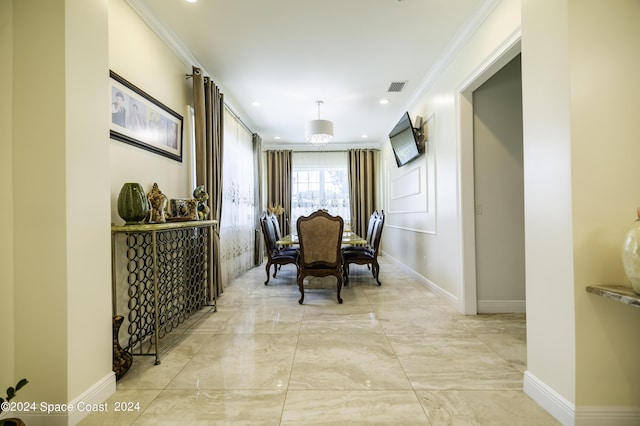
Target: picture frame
[{"x": 140, "y": 120}]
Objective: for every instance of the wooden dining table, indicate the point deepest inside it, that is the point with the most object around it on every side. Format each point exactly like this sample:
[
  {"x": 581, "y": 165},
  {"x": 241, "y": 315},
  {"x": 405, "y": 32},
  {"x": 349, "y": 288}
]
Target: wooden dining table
[{"x": 348, "y": 239}]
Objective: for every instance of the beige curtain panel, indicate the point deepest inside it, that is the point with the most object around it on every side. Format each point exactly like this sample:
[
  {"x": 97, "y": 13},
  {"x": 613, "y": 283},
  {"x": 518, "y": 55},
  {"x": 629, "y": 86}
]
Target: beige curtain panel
[
  {"x": 279, "y": 185},
  {"x": 208, "y": 105},
  {"x": 362, "y": 189}
]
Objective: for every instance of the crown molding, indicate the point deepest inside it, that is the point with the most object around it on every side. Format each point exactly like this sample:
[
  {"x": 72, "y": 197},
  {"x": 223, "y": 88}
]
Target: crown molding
[{"x": 452, "y": 50}]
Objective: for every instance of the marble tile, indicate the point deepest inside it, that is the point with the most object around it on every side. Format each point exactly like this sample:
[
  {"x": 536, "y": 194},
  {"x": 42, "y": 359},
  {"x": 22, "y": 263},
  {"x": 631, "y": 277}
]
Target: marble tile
[
  {"x": 416, "y": 319},
  {"x": 342, "y": 319},
  {"x": 277, "y": 317},
  {"x": 342, "y": 361},
  {"x": 396, "y": 354},
  {"x": 239, "y": 361},
  {"x": 232, "y": 407},
  {"x": 217, "y": 323},
  {"x": 124, "y": 407},
  {"x": 494, "y": 323},
  {"x": 453, "y": 362},
  {"x": 144, "y": 374},
  {"x": 511, "y": 347},
  {"x": 495, "y": 408},
  {"x": 353, "y": 407}
]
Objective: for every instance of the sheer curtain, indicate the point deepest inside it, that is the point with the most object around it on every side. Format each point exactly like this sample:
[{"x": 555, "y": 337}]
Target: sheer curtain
[
  {"x": 237, "y": 231},
  {"x": 320, "y": 180}
]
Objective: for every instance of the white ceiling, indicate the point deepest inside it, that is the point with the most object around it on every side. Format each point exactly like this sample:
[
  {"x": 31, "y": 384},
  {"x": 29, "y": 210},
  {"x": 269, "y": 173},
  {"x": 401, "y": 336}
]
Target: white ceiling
[{"x": 288, "y": 54}]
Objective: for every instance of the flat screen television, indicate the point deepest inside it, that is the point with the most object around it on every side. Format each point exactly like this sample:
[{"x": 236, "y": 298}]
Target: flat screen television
[{"x": 404, "y": 141}]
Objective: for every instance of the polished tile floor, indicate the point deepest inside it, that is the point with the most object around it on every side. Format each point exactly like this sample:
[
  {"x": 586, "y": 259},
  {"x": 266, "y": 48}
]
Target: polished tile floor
[{"x": 390, "y": 355}]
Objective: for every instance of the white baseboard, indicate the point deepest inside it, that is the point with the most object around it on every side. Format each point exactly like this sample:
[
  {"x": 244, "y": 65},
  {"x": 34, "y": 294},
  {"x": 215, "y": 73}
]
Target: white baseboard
[
  {"x": 96, "y": 394},
  {"x": 550, "y": 400},
  {"x": 430, "y": 285},
  {"x": 501, "y": 306},
  {"x": 609, "y": 416},
  {"x": 570, "y": 415}
]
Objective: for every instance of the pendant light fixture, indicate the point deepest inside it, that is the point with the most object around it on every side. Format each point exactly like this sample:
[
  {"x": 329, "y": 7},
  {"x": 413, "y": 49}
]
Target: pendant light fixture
[{"x": 318, "y": 131}]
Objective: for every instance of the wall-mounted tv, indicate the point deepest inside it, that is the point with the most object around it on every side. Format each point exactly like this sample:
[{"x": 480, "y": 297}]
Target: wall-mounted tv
[{"x": 405, "y": 141}]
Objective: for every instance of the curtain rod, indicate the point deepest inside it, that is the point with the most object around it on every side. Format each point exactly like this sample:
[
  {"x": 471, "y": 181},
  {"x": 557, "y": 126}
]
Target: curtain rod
[
  {"x": 226, "y": 105},
  {"x": 237, "y": 117}
]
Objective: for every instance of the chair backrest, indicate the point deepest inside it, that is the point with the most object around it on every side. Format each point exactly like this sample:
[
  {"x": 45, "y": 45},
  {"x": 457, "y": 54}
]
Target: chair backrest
[
  {"x": 276, "y": 225},
  {"x": 377, "y": 233},
  {"x": 320, "y": 237},
  {"x": 370, "y": 228},
  {"x": 269, "y": 233}
]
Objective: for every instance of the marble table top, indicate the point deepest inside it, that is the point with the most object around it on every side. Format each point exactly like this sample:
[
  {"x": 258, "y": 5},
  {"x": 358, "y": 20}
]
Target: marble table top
[{"x": 618, "y": 293}]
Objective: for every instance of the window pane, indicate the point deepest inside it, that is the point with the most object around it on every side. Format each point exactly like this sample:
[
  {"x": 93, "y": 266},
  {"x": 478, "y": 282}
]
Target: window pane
[{"x": 320, "y": 181}]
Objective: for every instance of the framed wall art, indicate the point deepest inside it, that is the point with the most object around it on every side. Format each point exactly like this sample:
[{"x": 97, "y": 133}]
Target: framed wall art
[{"x": 140, "y": 120}]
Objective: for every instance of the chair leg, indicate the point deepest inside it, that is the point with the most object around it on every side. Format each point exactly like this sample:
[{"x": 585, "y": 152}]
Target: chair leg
[
  {"x": 376, "y": 268},
  {"x": 345, "y": 273},
  {"x": 301, "y": 288},
  {"x": 267, "y": 268},
  {"x": 339, "y": 277}
]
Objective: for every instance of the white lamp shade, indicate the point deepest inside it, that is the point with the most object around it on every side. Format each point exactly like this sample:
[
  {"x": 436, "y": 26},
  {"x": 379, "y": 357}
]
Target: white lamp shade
[{"x": 319, "y": 131}]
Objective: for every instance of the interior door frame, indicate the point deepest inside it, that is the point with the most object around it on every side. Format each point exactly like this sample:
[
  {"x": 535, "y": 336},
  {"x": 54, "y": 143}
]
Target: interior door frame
[{"x": 466, "y": 199}]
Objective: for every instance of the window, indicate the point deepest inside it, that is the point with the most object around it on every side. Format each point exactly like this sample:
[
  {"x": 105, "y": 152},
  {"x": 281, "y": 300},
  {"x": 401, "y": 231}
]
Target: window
[{"x": 320, "y": 180}]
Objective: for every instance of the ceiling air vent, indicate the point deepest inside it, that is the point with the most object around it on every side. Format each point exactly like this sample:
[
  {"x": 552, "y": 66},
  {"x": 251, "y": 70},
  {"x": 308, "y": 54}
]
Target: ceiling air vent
[{"x": 396, "y": 86}]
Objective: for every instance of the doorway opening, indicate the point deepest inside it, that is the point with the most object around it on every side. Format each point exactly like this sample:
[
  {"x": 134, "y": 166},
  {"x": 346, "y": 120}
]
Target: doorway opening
[{"x": 467, "y": 225}]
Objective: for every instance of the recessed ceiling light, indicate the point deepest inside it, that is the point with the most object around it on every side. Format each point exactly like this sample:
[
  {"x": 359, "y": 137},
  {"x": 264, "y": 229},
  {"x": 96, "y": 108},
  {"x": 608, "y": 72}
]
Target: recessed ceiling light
[
  {"x": 384, "y": 101},
  {"x": 364, "y": 136},
  {"x": 256, "y": 103},
  {"x": 191, "y": 1},
  {"x": 276, "y": 137}
]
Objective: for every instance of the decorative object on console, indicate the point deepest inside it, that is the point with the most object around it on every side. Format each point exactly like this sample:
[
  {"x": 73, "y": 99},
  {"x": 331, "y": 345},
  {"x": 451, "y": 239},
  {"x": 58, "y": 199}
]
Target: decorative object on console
[
  {"x": 183, "y": 209},
  {"x": 631, "y": 255},
  {"x": 201, "y": 196},
  {"x": 122, "y": 359},
  {"x": 275, "y": 209},
  {"x": 133, "y": 206},
  {"x": 158, "y": 204}
]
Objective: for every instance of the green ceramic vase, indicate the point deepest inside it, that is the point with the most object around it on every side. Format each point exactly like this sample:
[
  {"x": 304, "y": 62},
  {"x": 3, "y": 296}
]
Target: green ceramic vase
[{"x": 133, "y": 205}]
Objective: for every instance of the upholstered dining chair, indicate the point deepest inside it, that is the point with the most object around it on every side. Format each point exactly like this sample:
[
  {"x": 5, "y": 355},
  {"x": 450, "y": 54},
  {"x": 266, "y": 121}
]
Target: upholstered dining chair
[
  {"x": 320, "y": 236},
  {"x": 368, "y": 254},
  {"x": 369, "y": 237},
  {"x": 275, "y": 255}
]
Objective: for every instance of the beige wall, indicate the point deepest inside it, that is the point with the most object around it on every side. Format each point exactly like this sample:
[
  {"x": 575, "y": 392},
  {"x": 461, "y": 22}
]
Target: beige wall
[
  {"x": 548, "y": 225},
  {"x": 138, "y": 55},
  {"x": 7, "y": 357},
  {"x": 87, "y": 182},
  {"x": 61, "y": 221},
  {"x": 579, "y": 84},
  {"x": 40, "y": 262},
  {"x": 60, "y": 174},
  {"x": 604, "y": 70}
]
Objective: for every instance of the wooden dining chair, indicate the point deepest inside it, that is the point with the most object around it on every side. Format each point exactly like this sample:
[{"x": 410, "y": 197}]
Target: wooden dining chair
[
  {"x": 275, "y": 255},
  {"x": 320, "y": 236},
  {"x": 369, "y": 237},
  {"x": 368, "y": 254}
]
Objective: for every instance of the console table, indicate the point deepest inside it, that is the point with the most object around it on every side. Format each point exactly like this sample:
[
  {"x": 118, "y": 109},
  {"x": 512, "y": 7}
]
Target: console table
[{"x": 168, "y": 278}]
